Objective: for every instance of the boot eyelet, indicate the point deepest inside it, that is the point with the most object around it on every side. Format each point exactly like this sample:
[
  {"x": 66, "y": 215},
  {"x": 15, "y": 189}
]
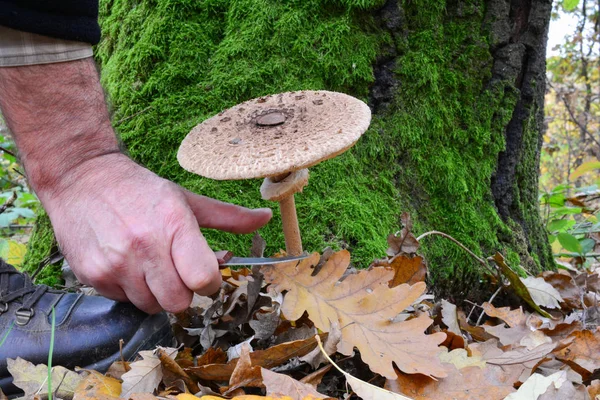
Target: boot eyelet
[
  {"x": 3, "y": 307},
  {"x": 24, "y": 315}
]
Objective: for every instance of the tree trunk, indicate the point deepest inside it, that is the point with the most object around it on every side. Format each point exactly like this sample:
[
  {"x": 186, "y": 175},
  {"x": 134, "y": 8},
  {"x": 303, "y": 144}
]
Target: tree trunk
[{"x": 456, "y": 88}]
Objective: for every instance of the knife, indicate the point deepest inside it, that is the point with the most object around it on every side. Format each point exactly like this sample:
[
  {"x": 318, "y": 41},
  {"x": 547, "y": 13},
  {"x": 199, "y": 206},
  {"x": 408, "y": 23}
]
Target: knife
[{"x": 227, "y": 259}]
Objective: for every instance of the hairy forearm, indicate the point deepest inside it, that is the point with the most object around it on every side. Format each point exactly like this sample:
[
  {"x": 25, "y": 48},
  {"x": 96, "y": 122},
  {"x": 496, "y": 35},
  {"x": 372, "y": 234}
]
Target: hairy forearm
[{"x": 59, "y": 120}]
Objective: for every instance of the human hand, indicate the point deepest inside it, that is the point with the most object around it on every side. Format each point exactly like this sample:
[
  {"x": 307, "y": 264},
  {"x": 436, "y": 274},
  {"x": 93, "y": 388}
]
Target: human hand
[{"x": 135, "y": 237}]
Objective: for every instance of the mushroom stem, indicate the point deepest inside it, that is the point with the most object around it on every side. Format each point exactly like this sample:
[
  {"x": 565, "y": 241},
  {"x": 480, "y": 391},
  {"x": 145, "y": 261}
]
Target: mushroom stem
[{"x": 291, "y": 230}]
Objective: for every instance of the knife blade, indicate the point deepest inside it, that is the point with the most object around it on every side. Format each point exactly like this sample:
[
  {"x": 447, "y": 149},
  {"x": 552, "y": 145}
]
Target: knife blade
[{"x": 227, "y": 259}]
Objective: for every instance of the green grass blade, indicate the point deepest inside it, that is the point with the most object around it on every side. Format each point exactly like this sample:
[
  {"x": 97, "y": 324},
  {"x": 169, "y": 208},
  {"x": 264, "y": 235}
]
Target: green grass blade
[
  {"x": 6, "y": 334},
  {"x": 50, "y": 355}
]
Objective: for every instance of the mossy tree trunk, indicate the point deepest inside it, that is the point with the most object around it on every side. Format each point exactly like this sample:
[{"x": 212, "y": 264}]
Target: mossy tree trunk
[{"x": 457, "y": 93}]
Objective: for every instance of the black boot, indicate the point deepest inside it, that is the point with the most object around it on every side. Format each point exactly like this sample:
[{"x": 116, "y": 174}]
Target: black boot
[{"x": 87, "y": 330}]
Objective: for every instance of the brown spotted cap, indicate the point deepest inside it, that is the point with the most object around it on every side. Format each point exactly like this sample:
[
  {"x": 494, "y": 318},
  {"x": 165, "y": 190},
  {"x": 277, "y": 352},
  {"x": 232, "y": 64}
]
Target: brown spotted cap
[{"x": 274, "y": 135}]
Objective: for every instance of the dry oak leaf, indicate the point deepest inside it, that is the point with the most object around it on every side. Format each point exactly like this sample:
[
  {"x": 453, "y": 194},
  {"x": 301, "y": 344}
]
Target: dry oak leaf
[
  {"x": 511, "y": 317},
  {"x": 33, "y": 379},
  {"x": 144, "y": 375},
  {"x": 465, "y": 384},
  {"x": 584, "y": 350},
  {"x": 407, "y": 270},
  {"x": 97, "y": 387},
  {"x": 450, "y": 317},
  {"x": 543, "y": 293},
  {"x": 363, "y": 306},
  {"x": 565, "y": 284},
  {"x": 284, "y": 385},
  {"x": 245, "y": 374},
  {"x": 268, "y": 358}
]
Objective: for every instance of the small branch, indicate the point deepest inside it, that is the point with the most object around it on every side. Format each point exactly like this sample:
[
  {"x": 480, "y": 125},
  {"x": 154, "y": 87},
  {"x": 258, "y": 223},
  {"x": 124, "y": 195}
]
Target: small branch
[
  {"x": 572, "y": 115},
  {"x": 462, "y": 246},
  {"x": 133, "y": 115},
  {"x": 10, "y": 153},
  {"x": 8, "y": 202},
  {"x": 489, "y": 301}
]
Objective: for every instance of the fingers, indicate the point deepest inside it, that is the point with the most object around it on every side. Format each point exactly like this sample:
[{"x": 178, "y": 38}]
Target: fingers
[
  {"x": 194, "y": 260},
  {"x": 216, "y": 214}
]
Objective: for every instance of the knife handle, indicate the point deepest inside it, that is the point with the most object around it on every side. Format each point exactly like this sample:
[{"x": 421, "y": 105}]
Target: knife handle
[{"x": 222, "y": 257}]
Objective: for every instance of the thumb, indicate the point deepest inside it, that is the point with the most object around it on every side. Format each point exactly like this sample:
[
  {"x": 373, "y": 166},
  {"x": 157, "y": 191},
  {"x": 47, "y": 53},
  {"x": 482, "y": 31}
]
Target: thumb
[{"x": 228, "y": 217}]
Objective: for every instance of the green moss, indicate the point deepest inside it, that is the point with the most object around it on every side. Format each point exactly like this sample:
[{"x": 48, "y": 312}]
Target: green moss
[
  {"x": 169, "y": 64},
  {"x": 41, "y": 245}
]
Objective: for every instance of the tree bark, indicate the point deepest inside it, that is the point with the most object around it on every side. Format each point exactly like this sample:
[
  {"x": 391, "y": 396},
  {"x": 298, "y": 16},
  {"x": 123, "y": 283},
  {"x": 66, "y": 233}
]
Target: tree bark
[{"x": 456, "y": 88}]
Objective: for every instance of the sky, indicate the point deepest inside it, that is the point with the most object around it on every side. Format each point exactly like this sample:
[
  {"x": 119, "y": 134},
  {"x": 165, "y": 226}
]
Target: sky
[{"x": 558, "y": 29}]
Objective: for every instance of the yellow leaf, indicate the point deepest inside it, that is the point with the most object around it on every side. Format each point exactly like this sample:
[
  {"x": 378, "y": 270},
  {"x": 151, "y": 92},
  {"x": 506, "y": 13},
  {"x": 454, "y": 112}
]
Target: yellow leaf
[
  {"x": 97, "y": 387},
  {"x": 12, "y": 252},
  {"x": 364, "y": 306},
  {"x": 585, "y": 167}
]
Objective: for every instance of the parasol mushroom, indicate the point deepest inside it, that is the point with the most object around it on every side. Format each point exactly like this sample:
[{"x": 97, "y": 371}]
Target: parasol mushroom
[{"x": 276, "y": 137}]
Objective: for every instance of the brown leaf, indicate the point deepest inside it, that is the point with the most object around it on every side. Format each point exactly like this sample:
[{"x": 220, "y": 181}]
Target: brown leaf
[
  {"x": 453, "y": 341},
  {"x": 517, "y": 286},
  {"x": 245, "y": 374},
  {"x": 511, "y": 317},
  {"x": 117, "y": 369},
  {"x": 450, "y": 318},
  {"x": 283, "y": 385},
  {"x": 316, "y": 377},
  {"x": 569, "y": 291},
  {"x": 363, "y": 305},
  {"x": 594, "y": 388},
  {"x": 477, "y": 332},
  {"x": 213, "y": 356},
  {"x": 407, "y": 270},
  {"x": 584, "y": 350},
  {"x": 316, "y": 357},
  {"x": 258, "y": 246},
  {"x": 269, "y": 358},
  {"x": 465, "y": 384}
]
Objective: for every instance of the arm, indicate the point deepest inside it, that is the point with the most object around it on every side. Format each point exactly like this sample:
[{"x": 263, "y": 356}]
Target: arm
[{"x": 124, "y": 230}]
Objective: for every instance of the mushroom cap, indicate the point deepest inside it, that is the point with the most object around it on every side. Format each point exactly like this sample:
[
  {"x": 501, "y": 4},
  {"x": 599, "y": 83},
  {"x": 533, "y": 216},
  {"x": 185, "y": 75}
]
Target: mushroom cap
[{"x": 274, "y": 135}]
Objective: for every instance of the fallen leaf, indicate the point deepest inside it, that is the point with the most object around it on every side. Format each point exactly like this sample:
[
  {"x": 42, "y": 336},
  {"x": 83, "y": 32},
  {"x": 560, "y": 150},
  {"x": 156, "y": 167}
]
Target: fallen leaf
[
  {"x": 450, "y": 317},
  {"x": 364, "y": 390},
  {"x": 465, "y": 384},
  {"x": 364, "y": 306},
  {"x": 403, "y": 241},
  {"x": 146, "y": 374},
  {"x": 316, "y": 357},
  {"x": 33, "y": 379},
  {"x": 537, "y": 385},
  {"x": 565, "y": 285},
  {"x": 315, "y": 378},
  {"x": 511, "y": 317},
  {"x": 407, "y": 270},
  {"x": 245, "y": 374},
  {"x": 460, "y": 359},
  {"x": 542, "y": 293},
  {"x": 517, "y": 285},
  {"x": 97, "y": 387},
  {"x": 283, "y": 385},
  {"x": 584, "y": 350},
  {"x": 594, "y": 388},
  {"x": 269, "y": 358},
  {"x": 213, "y": 356},
  {"x": 566, "y": 391}
]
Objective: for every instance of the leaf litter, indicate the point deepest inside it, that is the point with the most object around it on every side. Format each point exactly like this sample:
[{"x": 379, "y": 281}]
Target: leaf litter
[{"x": 317, "y": 329}]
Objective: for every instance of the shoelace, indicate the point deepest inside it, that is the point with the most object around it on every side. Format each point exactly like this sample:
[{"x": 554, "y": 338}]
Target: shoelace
[{"x": 29, "y": 293}]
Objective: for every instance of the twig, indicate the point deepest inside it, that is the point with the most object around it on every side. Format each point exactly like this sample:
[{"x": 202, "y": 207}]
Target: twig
[
  {"x": 475, "y": 305},
  {"x": 10, "y": 153},
  {"x": 489, "y": 301},
  {"x": 572, "y": 115},
  {"x": 462, "y": 246},
  {"x": 9, "y": 202},
  {"x": 133, "y": 115}
]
